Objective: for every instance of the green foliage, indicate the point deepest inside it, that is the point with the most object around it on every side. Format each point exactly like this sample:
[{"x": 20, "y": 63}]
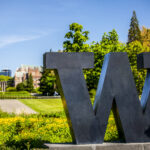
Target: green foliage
[
  {"x": 30, "y": 86},
  {"x": 4, "y": 78},
  {"x": 20, "y": 131},
  {"x": 112, "y": 133},
  {"x": 37, "y": 90},
  {"x": 21, "y": 87},
  {"x": 134, "y": 32},
  {"x": 10, "y": 82},
  {"x": 133, "y": 49},
  {"x": 47, "y": 82},
  {"x": 76, "y": 39},
  {"x": 0, "y": 89},
  {"x": 109, "y": 43},
  {"x": 92, "y": 93},
  {"x": 11, "y": 89},
  {"x": 145, "y": 35}
]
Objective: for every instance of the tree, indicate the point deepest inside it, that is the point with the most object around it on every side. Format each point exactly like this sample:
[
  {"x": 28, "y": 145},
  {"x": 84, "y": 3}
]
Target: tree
[
  {"x": 20, "y": 87},
  {"x": 10, "y": 82},
  {"x": 145, "y": 34},
  {"x": 109, "y": 43},
  {"x": 47, "y": 82},
  {"x": 30, "y": 86},
  {"x": 4, "y": 78},
  {"x": 133, "y": 49},
  {"x": 76, "y": 39},
  {"x": 134, "y": 32}
]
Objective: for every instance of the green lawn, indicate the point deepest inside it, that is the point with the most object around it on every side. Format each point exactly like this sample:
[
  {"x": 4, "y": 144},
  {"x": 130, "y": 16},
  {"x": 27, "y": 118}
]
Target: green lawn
[
  {"x": 44, "y": 105},
  {"x": 15, "y": 95}
]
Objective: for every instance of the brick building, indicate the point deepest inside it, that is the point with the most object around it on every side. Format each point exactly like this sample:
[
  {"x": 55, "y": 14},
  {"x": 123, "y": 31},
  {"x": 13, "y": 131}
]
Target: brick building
[{"x": 24, "y": 71}]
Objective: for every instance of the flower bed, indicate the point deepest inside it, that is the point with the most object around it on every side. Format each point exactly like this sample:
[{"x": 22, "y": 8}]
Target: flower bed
[{"x": 35, "y": 130}]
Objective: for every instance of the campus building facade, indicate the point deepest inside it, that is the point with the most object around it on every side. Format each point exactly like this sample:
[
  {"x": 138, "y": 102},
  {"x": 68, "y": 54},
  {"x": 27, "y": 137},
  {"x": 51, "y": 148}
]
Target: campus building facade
[{"x": 24, "y": 71}]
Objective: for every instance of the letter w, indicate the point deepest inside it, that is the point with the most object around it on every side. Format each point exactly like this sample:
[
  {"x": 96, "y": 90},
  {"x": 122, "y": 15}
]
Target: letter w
[{"x": 116, "y": 89}]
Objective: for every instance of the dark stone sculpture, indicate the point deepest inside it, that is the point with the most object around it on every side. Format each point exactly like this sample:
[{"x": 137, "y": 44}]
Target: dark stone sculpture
[
  {"x": 116, "y": 89},
  {"x": 116, "y": 86},
  {"x": 74, "y": 92}
]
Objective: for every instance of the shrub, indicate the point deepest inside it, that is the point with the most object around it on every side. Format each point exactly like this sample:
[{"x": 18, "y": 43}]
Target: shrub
[
  {"x": 35, "y": 130},
  {"x": 37, "y": 91},
  {"x": 19, "y": 131},
  {"x": 20, "y": 87},
  {"x": 11, "y": 89}
]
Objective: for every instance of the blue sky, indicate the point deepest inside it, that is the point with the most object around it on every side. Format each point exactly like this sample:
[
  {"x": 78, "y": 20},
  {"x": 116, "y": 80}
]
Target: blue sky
[{"x": 29, "y": 28}]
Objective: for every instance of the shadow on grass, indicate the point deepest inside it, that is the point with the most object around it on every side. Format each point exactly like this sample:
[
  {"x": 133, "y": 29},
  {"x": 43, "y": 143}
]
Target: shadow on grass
[{"x": 24, "y": 144}]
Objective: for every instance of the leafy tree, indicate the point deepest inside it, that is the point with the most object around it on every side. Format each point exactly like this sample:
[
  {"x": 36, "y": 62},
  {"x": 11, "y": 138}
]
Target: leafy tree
[
  {"x": 21, "y": 87},
  {"x": 145, "y": 33},
  {"x": 76, "y": 39},
  {"x": 10, "y": 82},
  {"x": 133, "y": 49},
  {"x": 30, "y": 86},
  {"x": 37, "y": 91},
  {"x": 109, "y": 43},
  {"x": 4, "y": 78},
  {"x": 47, "y": 82},
  {"x": 134, "y": 32}
]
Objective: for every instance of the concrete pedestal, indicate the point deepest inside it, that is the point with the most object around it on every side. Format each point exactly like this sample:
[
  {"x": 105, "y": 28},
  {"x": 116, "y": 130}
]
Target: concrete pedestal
[{"x": 105, "y": 146}]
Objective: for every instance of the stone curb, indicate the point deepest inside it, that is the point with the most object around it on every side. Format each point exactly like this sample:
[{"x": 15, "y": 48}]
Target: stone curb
[{"x": 105, "y": 146}]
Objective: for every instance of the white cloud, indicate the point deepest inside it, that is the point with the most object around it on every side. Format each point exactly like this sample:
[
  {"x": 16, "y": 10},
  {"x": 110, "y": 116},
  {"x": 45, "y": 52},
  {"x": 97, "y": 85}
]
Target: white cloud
[{"x": 11, "y": 39}]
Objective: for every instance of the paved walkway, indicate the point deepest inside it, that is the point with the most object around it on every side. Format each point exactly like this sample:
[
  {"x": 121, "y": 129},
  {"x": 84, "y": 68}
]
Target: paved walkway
[{"x": 15, "y": 106}]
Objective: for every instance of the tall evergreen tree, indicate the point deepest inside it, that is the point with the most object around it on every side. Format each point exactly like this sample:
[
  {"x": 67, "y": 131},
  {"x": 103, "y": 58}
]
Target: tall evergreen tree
[
  {"x": 30, "y": 86},
  {"x": 134, "y": 32}
]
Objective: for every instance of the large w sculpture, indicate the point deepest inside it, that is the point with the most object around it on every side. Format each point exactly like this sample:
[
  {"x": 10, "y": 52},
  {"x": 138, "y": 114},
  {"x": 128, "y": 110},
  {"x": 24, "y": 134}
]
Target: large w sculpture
[{"x": 116, "y": 90}]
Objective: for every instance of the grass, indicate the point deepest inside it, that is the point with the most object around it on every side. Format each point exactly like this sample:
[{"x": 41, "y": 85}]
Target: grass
[
  {"x": 44, "y": 105},
  {"x": 14, "y": 95}
]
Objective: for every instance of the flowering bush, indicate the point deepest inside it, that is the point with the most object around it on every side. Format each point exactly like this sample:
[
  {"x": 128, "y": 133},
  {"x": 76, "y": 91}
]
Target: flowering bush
[
  {"x": 35, "y": 130},
  {"x": 19, "y": 131}
]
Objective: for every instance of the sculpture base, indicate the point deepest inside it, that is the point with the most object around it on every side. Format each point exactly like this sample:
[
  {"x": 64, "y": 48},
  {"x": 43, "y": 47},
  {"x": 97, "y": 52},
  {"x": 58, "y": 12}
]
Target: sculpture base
[{"x": 105, "y": 146}]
